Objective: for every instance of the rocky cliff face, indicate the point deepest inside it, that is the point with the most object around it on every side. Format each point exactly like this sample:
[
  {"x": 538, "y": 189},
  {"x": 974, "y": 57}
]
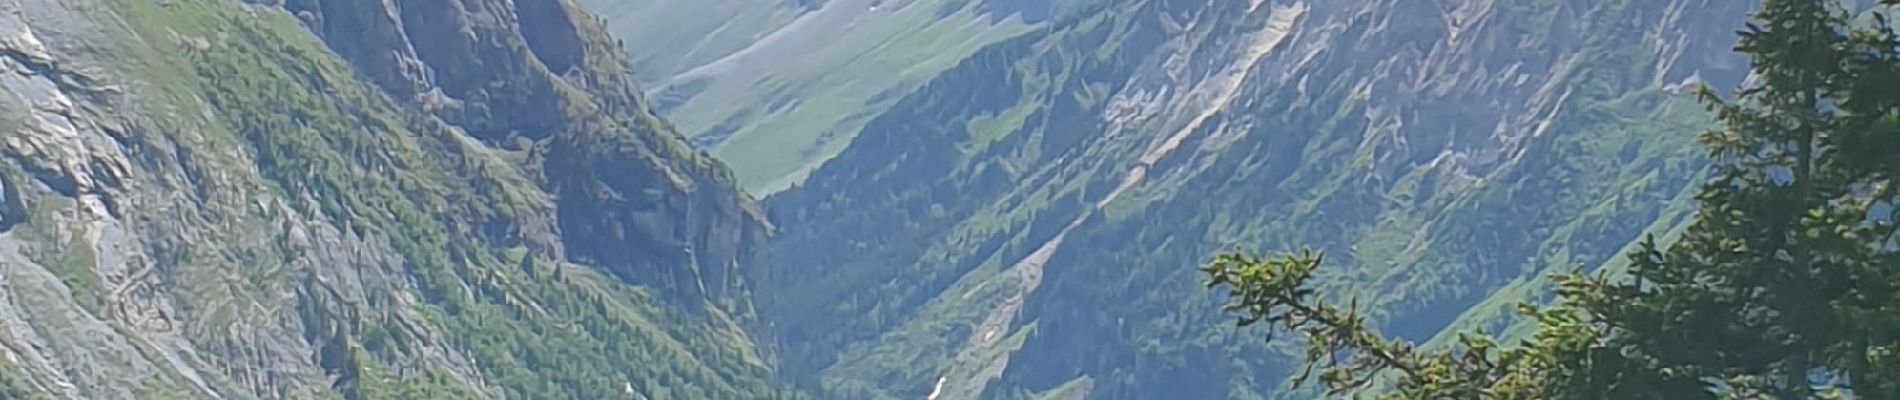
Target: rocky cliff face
[
  {"x": 201, "y": 199},
  {"x": 1044, "y": 202},
  {"x": 132, "y": 253},
  {"x": 629, "y": 196}
]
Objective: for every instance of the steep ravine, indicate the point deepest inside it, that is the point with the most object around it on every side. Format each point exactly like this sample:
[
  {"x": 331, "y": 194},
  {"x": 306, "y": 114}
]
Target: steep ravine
[{"x": 975, "y": 373}]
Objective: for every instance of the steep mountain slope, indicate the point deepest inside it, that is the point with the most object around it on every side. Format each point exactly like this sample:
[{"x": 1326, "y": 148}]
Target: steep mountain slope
[
  {"x": 1027, "y": 222},
  {"x": 775, "y": 87},
  {"x": 452, "y": 199}
]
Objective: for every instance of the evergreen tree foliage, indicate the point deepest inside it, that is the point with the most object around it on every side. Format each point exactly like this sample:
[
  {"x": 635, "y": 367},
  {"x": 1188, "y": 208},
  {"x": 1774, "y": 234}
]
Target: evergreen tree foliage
[{"x": 1787, "y": 285}]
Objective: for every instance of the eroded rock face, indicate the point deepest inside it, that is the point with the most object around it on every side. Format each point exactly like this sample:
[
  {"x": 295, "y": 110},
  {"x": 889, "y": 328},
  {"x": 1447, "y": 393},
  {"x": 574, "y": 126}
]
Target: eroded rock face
[
  {"x": 467, "y": 60},
  {"x": 150, "y": 250},
  {"x": 632, "y": 198},
  {"x": 616, "y": 218},
  {"x": 125, "y": 236},
  {"x": 1469, "y": 84},
  {"x": 378, "y": 44}
]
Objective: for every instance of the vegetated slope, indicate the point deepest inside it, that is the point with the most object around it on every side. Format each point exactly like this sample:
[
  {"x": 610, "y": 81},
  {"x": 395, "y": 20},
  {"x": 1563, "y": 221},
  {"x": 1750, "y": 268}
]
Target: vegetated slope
[
  {"x": 453, "y": 199},
  {"x": 1026, "y": 223},
  {"x": 775, "y": 87},
  {"x": 667, "y": 37}
]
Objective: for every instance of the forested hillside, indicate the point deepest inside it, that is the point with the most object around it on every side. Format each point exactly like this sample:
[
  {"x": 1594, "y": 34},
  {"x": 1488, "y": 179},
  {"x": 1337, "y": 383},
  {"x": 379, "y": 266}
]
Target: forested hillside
[{"x": 1027, "y": 222}]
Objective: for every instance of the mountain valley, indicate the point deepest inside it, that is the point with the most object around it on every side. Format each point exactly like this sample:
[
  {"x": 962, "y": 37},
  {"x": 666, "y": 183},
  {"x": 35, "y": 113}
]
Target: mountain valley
[{"x": 844, "y": 199}]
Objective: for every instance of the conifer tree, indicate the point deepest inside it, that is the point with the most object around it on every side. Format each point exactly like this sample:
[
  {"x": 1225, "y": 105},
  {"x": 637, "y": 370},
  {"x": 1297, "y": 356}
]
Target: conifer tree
[{"x": 1786, "y": 285}]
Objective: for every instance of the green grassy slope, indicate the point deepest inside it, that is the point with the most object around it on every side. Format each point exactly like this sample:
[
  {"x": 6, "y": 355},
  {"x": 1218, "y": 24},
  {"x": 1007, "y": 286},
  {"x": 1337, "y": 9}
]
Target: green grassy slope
[
  {"x": 774, "y": 88},
  {"x": 669, "y": 37}
]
